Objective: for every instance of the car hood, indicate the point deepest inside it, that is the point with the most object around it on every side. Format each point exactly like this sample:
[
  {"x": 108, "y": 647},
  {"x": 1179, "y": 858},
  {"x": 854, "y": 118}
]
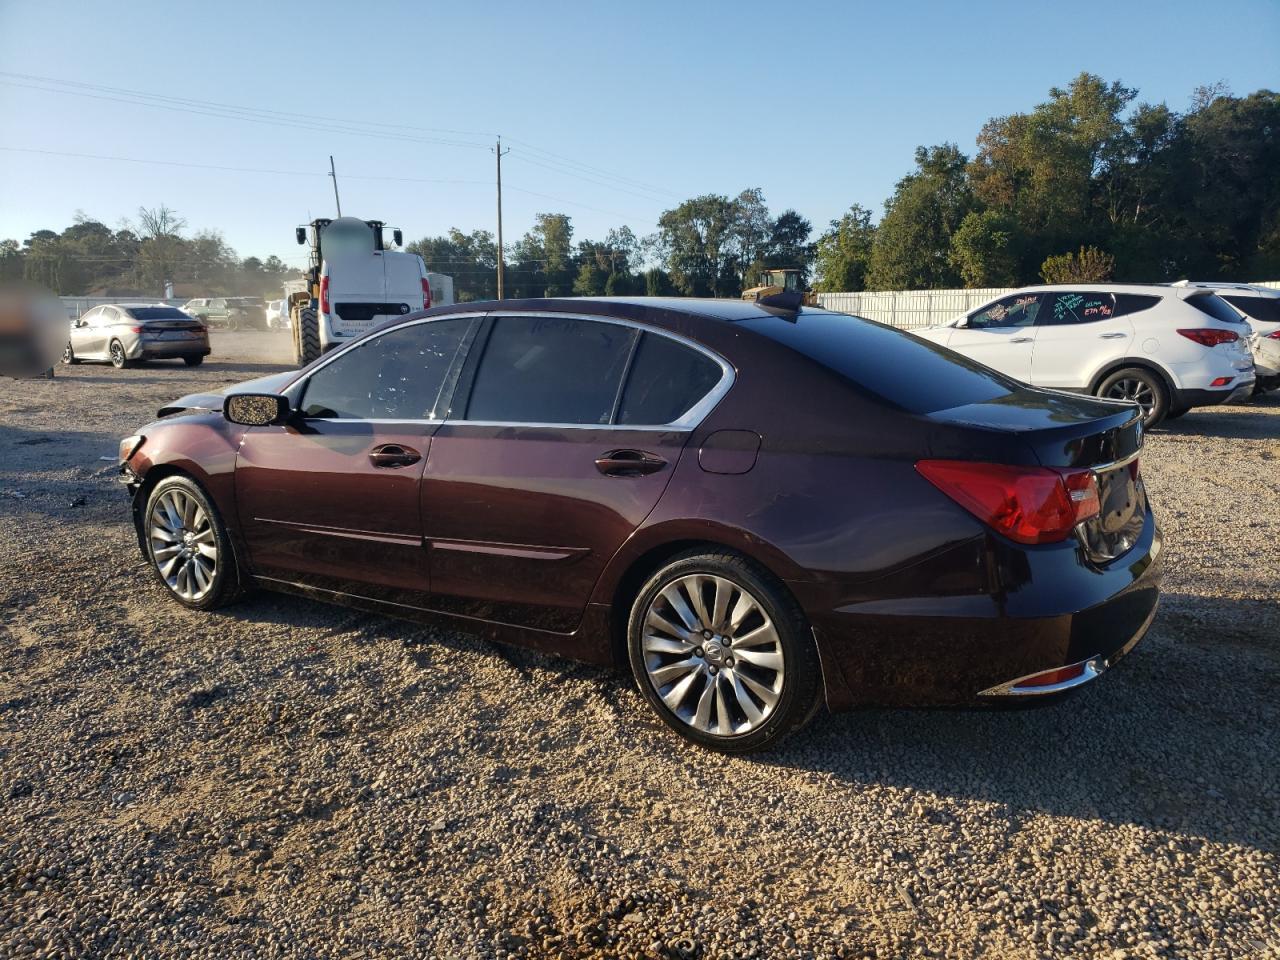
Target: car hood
[{"x": 273, "y": 383}]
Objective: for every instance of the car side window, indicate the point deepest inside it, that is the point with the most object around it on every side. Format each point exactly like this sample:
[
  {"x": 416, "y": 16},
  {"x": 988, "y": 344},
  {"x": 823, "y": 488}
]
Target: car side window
[
  {"x": 395, "y": 376},
  {"x": 666, "y": 380},
  {"x": 550, "y": 370},
  {"x": 1069, "y": 308},
  {"x": 218, "y": 304},
  {"x": 110, "y": 315},
  {"x": 1019, "y": 310},
  {"x": 1127, "y": 303}
]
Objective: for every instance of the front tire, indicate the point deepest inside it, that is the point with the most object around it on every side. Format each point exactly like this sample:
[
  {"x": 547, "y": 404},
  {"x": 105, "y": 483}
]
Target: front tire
[
  {"x": 69, "y": 355},
  {"x": 723, "y": 653},
  {"x": 306, "y": 337},
  {"x": 193, "y": 361},
  {"x": 188, "y": 545},
  {"x": 1139, "y": 386}
]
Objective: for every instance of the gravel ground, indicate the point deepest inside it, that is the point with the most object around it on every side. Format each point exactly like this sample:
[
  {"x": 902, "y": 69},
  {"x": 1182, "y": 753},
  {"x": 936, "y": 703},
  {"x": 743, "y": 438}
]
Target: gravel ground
[{"x": 289, "y": 779}]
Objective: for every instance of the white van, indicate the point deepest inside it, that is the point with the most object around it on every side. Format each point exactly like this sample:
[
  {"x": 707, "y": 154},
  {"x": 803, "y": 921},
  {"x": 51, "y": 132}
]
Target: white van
[{"x": 359, "y": 291}]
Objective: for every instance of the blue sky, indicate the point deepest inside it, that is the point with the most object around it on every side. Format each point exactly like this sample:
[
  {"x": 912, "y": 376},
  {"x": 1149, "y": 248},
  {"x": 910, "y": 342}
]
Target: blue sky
[{"x": 613, "y": 112}]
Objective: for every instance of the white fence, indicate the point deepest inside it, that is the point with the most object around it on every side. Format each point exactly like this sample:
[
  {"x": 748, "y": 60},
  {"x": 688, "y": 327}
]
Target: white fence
[{"x": 910, "y": 309}]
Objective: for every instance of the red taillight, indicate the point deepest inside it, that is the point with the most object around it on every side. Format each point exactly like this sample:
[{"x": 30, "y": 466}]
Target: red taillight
[
  {"x": 1051, "y": 677},
  {"x": 324, "y": 294},
  {"x": 1274, "y": 335},
  {"x": 135, "y": 329},
  {"x": 1026, "y": 504},
  {"x": 426, "y": 294},
  {"x": 1210, "y": 336}
]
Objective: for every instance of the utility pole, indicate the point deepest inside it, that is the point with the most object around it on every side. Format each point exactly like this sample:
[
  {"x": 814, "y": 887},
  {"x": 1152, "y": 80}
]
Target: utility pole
[
  {"x": 498, "y": 152},
  {"x": 334, "y": 174}
]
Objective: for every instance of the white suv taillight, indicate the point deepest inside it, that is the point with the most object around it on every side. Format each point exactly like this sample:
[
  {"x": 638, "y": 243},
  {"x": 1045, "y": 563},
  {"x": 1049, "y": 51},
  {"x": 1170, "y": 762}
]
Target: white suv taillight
[
  {"x": 324, "y": 295},
  {"x": 1210, "y": 336},
  {"x": 426, "y": 294}
]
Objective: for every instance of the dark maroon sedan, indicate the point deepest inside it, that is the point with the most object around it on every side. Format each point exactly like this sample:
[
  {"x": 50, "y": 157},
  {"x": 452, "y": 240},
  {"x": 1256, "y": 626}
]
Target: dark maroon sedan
[{"x": 759, "y": 509}]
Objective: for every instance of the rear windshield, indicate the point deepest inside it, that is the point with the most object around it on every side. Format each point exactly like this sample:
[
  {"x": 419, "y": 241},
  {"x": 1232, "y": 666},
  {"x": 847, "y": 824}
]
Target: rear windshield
[
  {"x": 913, "y": 374},
  {"x": 1215, "y": 307},
  {"x": 1266, "y": 309},
  {"x": 157, "y": 313}
]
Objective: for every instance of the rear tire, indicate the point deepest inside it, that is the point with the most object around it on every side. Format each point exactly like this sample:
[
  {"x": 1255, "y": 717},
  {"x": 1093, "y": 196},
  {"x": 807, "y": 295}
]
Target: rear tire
[
  {"x": 118, "y": 359},
  {"x": 193, "y": 361},
  {"x": 1140, "y": 386},
  {"x": 188, "y": 545},
  {"x": 723, "y": 653},
  {"x": 306, "y": 337},
  {"x": 1176, "y": 412}
]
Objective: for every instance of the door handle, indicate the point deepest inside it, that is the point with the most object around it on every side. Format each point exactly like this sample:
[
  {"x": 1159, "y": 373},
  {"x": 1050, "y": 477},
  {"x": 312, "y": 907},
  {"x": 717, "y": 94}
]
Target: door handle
[
  {"x": 628, "y": 463},
  {"x": 1111, "y": 336},
  {"x": 393, "y": 455},
  {"x": 1021, "y": 339}
]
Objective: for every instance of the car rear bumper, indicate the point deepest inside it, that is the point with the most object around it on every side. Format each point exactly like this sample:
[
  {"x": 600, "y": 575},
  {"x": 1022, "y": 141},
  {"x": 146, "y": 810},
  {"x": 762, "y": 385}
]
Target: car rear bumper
[
  {"x": 168, "y": 349},
  {"x": 1239, "y": 389},
  {"x": 1057, "y": 610}
]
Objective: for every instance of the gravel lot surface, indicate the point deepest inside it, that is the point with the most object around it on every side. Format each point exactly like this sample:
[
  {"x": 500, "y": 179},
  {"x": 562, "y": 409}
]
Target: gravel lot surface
[{"x": 289, "y": 779}]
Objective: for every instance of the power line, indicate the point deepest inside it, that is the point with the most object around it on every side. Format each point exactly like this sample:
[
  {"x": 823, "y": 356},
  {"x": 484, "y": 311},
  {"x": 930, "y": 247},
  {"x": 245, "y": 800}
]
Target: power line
[{"x": 551, "y": 161}]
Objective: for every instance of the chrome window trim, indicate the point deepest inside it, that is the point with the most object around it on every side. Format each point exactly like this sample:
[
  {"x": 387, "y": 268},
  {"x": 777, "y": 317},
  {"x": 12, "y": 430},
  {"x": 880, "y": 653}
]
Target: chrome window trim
[{"x": 686, "y": 422}]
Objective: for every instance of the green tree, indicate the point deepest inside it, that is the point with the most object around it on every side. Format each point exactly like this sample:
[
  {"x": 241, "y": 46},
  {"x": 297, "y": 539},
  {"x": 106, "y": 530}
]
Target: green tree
[
  {"x": 843, "y": 253},
  {"x": 697, "y": 245},
  {"x": 913, "y": 241},
  {"x": 1090, "y": 265},
  {"x": 983, "y": 250}
]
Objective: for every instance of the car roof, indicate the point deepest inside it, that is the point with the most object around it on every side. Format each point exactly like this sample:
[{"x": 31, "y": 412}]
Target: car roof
[
  {"x": 137, "y": 303},
  {"x": 1247, "y": 289},
  {"x": 627, "y": 307}
]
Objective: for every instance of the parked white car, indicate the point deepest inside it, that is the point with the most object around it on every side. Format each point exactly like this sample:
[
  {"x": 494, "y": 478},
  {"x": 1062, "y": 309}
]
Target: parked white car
[
  {"x": 277, "y": 315},
  {"x": 1165, "y": 348},
  {"x": 1261, "y": 307}
]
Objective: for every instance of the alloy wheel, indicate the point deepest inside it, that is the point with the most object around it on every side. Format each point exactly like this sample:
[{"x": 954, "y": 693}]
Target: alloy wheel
[
  {"x": 713, "y": 655},
  {"x": 67, "y": 354},
  {"x": 117, "y": 354},
  {"x": 183, "y": 544},
  {"x": 1134, "y": 390}
]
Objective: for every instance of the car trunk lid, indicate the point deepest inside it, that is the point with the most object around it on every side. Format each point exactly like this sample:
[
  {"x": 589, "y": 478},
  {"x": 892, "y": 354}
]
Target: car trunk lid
[{"x": 1069, "y": 432}]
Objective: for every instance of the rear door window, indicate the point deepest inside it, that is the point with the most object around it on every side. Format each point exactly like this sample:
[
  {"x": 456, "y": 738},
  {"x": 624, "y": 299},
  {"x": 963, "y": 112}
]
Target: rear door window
[
  {"x": 550, "y": 370},
  {"x": 666, "y": 380},
  {"x": 1066, "y": 308},
  {"x": 395, "y": 376},
  {"x": 1127, "y": 303}
]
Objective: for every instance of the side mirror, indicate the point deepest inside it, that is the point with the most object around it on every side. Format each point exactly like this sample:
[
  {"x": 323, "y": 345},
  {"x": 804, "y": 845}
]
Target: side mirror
[
  {"x": 256, "y": 409},
  {"x": 301, "y": 234},
  {"x": 397, "y": 235}
]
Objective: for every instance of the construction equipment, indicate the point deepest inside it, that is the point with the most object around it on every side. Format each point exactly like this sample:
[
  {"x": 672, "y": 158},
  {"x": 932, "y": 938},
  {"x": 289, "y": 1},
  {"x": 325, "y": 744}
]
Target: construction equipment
[
  {"x": 352, "y": 282},
  {"x": 780, "y": 287}
]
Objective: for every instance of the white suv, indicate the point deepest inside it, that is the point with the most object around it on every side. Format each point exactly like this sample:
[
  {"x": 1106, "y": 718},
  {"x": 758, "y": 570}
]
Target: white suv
[
  {"x": 1166, "y": 348},
  {"x": 1261, "y": 307}
]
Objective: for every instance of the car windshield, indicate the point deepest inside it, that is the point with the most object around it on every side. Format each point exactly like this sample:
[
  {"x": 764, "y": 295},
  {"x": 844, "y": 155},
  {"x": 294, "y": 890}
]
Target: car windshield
[
  {"x": 906, "y": 371},
  {"x": 157, "y": 313}
]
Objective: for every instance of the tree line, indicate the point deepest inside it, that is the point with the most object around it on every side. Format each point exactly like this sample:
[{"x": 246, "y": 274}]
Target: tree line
[
  {"x": 1088, "y": 185},
  {"x": 138, "y": 256}
]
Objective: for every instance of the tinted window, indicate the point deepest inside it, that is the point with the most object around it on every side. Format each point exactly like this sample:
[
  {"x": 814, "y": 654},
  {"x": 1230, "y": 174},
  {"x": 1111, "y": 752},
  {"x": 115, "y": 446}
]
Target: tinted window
[
  {"x": 1127, "y": 303},
  {"x": 1019, "y": 310},
  {"x": 1072, "y": 307},
  {"x": 913, "y": 374},
  {"x": 1215, "y": 307},
  {"x": 396, "y": 376},
  {"x": 666, "y": 379},
  {"x": 158, "y": 313},
  {"x": 1266, "y": 309},
  {"x": 550, "y": 370}
]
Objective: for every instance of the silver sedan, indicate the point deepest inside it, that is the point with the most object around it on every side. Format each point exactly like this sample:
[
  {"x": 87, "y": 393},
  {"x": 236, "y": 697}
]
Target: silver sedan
[{"x": 126, "y": 332}]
